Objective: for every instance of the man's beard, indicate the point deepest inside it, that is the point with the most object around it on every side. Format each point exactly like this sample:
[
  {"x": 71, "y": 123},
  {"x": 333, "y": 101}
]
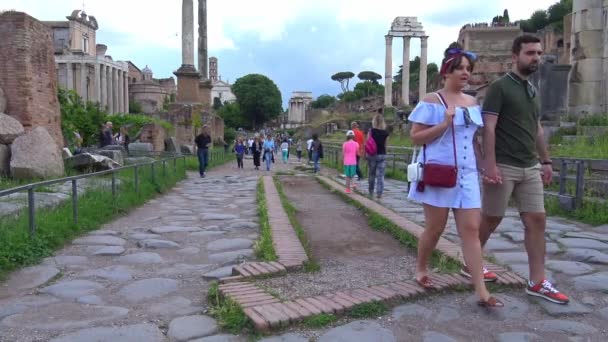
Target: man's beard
[{"x": 527, "y": 69}]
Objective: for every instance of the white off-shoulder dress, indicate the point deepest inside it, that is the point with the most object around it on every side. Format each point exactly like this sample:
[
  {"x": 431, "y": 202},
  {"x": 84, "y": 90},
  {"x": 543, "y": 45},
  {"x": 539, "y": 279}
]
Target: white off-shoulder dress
[{"x": 466, "y": 193}]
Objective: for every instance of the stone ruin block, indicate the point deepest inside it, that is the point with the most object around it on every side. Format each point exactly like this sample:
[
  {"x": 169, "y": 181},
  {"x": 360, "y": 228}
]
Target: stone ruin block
[
  {"x": 154, "y": 134},
  {"x": 115, "y": 155},
  {"x": 36, "y": 155},
  {"x": 138, "y": 149},
  {"x": 91, "y": 162},
  {"x": 171, "y": 145}
]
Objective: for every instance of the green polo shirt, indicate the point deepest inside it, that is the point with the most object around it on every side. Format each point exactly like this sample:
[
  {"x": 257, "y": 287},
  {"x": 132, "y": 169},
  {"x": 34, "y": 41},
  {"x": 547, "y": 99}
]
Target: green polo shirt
[{"x": 516, "y": 103}]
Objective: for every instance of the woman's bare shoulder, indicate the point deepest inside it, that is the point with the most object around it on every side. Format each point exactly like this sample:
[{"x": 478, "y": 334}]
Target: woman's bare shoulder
[{"x": 431, "y": 98}]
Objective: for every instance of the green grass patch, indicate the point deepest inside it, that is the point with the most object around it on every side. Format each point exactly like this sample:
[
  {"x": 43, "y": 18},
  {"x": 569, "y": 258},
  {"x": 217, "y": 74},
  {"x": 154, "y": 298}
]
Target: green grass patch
[
  {"x": 591, "y": 212},
  {"x": 228, "y": 314},
  {"x": 55, "y": 226},
  {"x": 264, "y": 249},
  {"x": 311, "y": 265},
  {"x": 440, "y": 261},
  {"x": 597, "y": 148},
  {"x": 319, "y": 321},
  {"x": 400, "y": 140},
  {"x": 368, "y": 310}
]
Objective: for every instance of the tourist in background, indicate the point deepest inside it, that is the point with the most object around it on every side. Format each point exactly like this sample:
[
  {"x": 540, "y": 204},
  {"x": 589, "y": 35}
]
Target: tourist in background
[
  {"x": 299, "y": 150},
  {"x": 350, "y": 149},
  {"x": 376, "y": 163},
  {"x": 123, "y": 139},
  {"x": 360, "y": 139},
  {"x": 517, "y": 162},
  {"x": 256, "y": 150},
  {"x": 317, "y": 152},
  {"x": 201, "y": 143},
  {"x": 309, "y": 149},
  {"x": 239, "y": 150},
  {"x": 268, "y": 148},
  {"x": 446, "y": 123},
  {"x": 106, "y": 137},
  {"x": 285, "y": 150}
]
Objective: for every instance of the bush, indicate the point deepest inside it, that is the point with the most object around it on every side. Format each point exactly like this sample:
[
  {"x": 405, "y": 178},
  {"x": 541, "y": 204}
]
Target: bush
[
  {"x": 76, "y": 116},
  {"x": 594, "y": 120}
]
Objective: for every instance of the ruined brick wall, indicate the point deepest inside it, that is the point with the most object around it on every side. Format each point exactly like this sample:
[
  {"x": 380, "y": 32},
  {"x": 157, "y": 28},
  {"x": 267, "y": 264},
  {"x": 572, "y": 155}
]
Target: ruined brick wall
[
  {"x": 27, "y": 73},
  {"x": 185, "y": 117}
]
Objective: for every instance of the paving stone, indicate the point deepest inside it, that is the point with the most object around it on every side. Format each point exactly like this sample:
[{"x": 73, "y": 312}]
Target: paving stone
[
  {"x": 173, "y": 229},
  {"x": 433, "y": 336},
  {"x": 587, "y": 255},
  {"x": 148, "y": 288},
  {"x": 603, "y": 229},
  {"x": 229, "y": 244},
  {"x": 118, "y": 273},
  {"x": 20, "y": 304},
  {"x": 213, "y": 216},
  {"x": 141, "y": 258},
  {"x": 144, "y": 236},
  {"x": 156, "y": 244},
  {"x": 588, "y": 235},
  {"x": 291, "y": 337},
  {"x": 515, "y": 236},
  {"x": 360, "y": 331},
  {"x": 497, "y": 244},
  {"x": 513, "y": 309},
  {"x": 104, "y": 232},
  {"x": 209, "y": 233},
  {"x": 411, "y": 310},
  {"x": 562, "y": 326},
  {"x": 175, "y": 306},
  {"x": 552, "y": 248},
  {"x": 218, "y": 273},
  {"x": 553, "y": 226},
  {"x": 11, "y": 309},
  {"x": 523, "y": 270},
  {"x": 72, "y": 316},
  {"x": 184, "y": 269},
  {"x": 447, "y": 314},
  {"x": 72, "y": 288},
  {"x": 604, "y": 312},
  {"x": 100, "y": 240},
  {"x": 511, "y": 257},
  {"x": 594, "y": 282},
  {"x": 223, "y": 338},
  {"x": 227, "y": 257},
  {"x": 557, "y": 310},
  {"x": 189, "y": 250},
  {"x": 90, "y": 299},
  {"x": 109, "y": 251},
  {"x": 518, "y": 337},
  {"x": 569, "y": 267},
  {"x": 189, "y": 327},
  {"x": 29, "y": 278},
  {"x": 583, "y": 243},
  {"x": 138, "y": 332},
  {"x": 243, "y": 225},
  {"x": 212, "y": 227}
]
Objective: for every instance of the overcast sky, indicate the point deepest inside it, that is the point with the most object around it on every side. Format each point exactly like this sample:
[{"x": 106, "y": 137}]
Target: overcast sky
[{"x": 299, "y": 44}]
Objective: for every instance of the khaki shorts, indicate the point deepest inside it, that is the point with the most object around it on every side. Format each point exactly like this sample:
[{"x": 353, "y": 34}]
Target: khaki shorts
[{"x": 524, "y": 184}]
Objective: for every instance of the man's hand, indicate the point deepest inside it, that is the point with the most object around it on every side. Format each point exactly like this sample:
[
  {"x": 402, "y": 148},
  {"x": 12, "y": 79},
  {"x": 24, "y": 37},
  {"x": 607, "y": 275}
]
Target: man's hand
[
  {"x": 547, "y": 174},
  {"x": 492, "y": 175}
]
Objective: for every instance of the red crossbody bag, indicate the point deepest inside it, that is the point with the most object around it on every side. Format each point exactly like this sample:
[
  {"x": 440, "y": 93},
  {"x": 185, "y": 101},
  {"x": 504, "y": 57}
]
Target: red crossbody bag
[{"x": 439, "y": 175}]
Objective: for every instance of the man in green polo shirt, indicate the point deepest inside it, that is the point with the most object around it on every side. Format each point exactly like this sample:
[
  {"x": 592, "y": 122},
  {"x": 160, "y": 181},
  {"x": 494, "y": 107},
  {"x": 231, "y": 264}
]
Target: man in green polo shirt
[{"x": 516, "y": 161}]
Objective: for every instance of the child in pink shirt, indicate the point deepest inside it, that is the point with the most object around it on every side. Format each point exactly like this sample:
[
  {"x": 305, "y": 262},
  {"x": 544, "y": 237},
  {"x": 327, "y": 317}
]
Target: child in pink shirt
[{"x": 349, "y": 153}]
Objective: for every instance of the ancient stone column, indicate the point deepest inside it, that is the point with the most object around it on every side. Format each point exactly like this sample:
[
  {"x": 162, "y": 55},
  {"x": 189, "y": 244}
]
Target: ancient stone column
[
  {"x": 97, "y": 84},
  {"x": 103, "y": 100},
  {"x": 187, "y": 32},
  {"x": 405, "y": 74},
  {"x": 120, "y": 91},
  {"x": 388, "y": 72},
  {"x": 83, "y": 82},
  {"x": 70, "y": 76},
  {"x": 114, "y": 91},
  {"x": 202, "y": 39},
  {"x": 187, "y": 76},
  {"x": 126, "y": 91},
  {"x": 423, "y": 67},
  {"x": 110, "y": 90}
]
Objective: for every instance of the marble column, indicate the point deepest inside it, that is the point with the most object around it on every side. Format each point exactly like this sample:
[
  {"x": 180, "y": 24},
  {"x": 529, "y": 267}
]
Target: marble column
[
  {"x": 83, "y": 82},
  {"x": 114, "y": 91},
  {"x": 187, "y": 32},
  {"x": 120, "y": 91},
  {"x": 388, "y": 72},
  {"x": 126, "y": 90},
  {"x": 423, "y": 64},
  {"x": 202, "y": 39},
  {"x": 70, "y": 76},
  {"x": 97, "y": 84},
  {"x": 405, "y": 74},
  {"x": 110, "y": 90},
  {"x": 188, "y": 79},
  {"x": 103, "y": 99}
]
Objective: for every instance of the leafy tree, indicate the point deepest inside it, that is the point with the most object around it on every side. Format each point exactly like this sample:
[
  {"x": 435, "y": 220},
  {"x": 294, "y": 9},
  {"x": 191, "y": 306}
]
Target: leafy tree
[
  {"x": 233, "y": 118},
  {"x": 343, "y": 77},
  {"x": 431, "y": 71},
  {"x": 505, "y": 16},
  {"x": 369, "y": 76},
  {"x": 77, "y": 116},
  {"x": 258, "y": 97},
  {"x": 368, "y": 88},
  {"x": 135, "y": 108},
  {"x": 323, "y": 101}
]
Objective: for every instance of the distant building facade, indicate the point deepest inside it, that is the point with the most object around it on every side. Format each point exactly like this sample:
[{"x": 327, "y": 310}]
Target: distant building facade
[
  {"x": 83, "y": 66},
  {"x": 299, "y": 106},
  {"x": 150, "y": 93},
  {"x": 220, "y": 89}
]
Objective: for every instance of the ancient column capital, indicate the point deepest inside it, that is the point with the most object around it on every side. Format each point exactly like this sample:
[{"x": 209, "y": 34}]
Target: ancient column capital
[{"x": 389, "y": 39}]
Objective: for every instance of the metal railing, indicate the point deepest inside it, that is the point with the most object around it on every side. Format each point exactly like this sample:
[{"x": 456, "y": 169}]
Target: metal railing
[
  {"x": 396, "y": 160},
  {"x": 30, "y": 188}
]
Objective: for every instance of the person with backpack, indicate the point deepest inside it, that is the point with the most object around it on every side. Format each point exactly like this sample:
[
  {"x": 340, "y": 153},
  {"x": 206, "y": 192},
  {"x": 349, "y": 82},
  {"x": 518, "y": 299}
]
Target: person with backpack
[
  {"x": 349, "y": 152},
  {"x": 375, "y": 150}
]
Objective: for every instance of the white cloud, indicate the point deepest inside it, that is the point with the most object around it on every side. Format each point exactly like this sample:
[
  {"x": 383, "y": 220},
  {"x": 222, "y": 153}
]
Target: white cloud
[
  {"x": 370, "y": 63},
  {"x": 314, "y": 29}
]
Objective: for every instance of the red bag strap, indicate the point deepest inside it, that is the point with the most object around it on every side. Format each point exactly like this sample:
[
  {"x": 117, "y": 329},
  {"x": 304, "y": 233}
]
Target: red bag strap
[{"x": 445, "y": 104}]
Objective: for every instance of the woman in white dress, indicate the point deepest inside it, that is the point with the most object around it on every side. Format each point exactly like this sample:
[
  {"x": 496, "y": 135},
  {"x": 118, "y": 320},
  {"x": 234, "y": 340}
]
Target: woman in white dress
[{"x": 435, "y": 119}]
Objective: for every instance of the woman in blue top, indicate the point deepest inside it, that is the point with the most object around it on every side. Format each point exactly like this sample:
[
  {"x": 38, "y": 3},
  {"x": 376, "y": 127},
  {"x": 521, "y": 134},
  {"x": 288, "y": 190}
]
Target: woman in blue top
[
  {"x": 432, "y": 126},
  {"x": 268, "y": 151}
]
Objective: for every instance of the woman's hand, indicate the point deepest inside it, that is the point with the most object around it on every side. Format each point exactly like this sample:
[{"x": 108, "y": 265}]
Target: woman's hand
[{"x": 449, "y": 115}]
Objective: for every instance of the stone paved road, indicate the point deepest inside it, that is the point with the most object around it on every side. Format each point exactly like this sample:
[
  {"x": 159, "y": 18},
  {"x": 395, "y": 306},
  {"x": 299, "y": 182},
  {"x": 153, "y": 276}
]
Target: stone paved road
[{"x": 144, "y": 276}]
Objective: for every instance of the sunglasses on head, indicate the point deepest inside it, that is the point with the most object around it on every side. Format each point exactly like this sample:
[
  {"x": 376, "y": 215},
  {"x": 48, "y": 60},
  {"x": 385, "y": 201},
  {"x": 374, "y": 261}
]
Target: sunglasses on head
[
  {"x": 455, "y": 51},
  {"x": 467, "y": 116},
  {"x": 530, "y": 90}
]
